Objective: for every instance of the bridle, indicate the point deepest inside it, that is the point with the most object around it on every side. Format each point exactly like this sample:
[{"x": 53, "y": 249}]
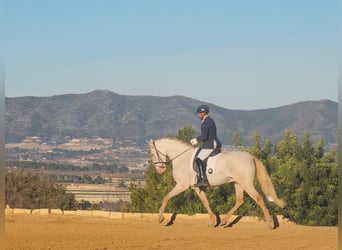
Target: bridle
[{"x": 167, "y": 161}]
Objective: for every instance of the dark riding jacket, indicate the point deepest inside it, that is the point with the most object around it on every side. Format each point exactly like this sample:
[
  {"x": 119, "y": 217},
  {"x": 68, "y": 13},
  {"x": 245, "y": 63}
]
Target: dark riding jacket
[{"x": 208, "y": 134}]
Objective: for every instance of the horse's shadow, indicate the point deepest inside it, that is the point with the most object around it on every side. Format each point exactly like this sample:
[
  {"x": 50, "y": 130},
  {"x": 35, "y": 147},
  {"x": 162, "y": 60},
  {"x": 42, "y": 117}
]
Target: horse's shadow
[
  {"x": 174, "y": 215},
  {"x": 172, "y": 219},
  {"x": 232, "y": 223},
  {"x": 238, "y": 218},
  {"x": 218, "y": 221},
  {"x": 275, "y": 221}
]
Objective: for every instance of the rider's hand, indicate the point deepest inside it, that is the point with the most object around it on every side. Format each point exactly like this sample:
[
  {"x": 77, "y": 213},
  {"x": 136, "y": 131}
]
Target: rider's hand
[{"x": 193, "y": 141}]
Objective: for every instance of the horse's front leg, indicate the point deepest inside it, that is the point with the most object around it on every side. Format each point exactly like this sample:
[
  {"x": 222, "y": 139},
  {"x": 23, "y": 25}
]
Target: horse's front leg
[
  {"x": 239, "y": 200},
  {"x": 205, "y": 202},
  {"x": 175, "y": 191}
]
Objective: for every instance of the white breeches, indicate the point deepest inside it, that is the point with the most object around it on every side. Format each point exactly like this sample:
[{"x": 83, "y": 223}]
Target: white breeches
[{"x": 204, "y": 154}]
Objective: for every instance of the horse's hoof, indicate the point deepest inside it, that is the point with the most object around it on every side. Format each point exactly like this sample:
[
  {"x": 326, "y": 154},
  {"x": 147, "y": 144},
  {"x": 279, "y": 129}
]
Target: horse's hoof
[
  {"x": 213, "y": 221},
  {"x": 161, "y": 219},
  {"x": 271, "y": 225},
  {"x": 212, "y": 224},
  {"x": 224, "y": 222}
]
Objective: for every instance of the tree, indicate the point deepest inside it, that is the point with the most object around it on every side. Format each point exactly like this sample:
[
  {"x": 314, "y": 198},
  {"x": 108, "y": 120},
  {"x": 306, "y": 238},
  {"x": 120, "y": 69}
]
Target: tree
[
  {"x": 186, "y": 133},
  {"x": 306, "y": 180},
  {"x": 258, "y": 150},
  {"x": 237, "y": 140},
  {"x": 307, "y": 149},
  {"x": 319, "y": 152},
  {"x": 25, "y": 190}
]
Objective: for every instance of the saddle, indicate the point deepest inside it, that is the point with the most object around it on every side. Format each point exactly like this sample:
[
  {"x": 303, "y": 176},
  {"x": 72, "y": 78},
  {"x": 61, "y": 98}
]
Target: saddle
[{"x": 215, "y": 152}]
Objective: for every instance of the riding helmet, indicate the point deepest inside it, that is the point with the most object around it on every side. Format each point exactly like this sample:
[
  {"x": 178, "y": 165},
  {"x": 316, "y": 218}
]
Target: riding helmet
[{"x": 203, "y": 108}]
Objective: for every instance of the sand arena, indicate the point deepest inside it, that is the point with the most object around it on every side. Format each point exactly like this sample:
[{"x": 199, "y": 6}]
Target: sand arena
[{"x": 104, "y": 230}]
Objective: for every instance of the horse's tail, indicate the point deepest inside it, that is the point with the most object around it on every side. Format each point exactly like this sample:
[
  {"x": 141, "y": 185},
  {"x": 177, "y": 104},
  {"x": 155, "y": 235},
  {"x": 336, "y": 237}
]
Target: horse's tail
[{"x": 266, "y": 183}]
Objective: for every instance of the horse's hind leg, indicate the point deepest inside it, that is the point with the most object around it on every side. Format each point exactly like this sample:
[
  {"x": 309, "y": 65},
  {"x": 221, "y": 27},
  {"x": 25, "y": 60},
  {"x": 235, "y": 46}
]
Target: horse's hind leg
[
  {"x": 176, "y": 190},
  {"x": 238, "y": 202},
  {"x": 205, "y": 202},
  {"x": 259, "y": 200}
]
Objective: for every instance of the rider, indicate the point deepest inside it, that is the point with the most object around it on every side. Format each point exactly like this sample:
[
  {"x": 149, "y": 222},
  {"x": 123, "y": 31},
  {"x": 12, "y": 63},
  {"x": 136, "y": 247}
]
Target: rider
[{"x": 209, "y": 140}]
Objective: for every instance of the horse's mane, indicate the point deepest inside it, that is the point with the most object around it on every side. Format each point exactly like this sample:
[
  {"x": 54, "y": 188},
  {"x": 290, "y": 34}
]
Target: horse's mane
[{"x": 174, "y": 139}]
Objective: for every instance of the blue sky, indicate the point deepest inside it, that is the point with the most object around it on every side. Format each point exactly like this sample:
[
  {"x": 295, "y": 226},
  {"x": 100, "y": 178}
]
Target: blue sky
[{"x": 234, "y": 54}]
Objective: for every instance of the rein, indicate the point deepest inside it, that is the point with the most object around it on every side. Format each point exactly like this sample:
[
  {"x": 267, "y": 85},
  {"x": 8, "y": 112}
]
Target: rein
[{"x": 170, "y": 160}]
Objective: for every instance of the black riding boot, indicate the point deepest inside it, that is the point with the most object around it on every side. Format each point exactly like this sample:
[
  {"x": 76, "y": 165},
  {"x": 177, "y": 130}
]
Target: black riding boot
[{"x": 202, "y": 178}]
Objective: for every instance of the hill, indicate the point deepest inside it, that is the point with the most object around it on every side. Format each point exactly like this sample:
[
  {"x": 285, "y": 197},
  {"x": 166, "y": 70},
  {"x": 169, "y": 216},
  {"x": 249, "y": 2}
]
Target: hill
[{"x": 110, "y": 115}]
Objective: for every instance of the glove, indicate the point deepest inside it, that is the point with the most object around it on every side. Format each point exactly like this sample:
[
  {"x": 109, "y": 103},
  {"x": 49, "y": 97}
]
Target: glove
[{"x": 193, "y": 141}]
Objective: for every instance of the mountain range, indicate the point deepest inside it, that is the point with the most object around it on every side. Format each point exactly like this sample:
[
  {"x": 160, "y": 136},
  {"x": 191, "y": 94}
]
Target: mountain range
[{"x": 106, "y": 114}]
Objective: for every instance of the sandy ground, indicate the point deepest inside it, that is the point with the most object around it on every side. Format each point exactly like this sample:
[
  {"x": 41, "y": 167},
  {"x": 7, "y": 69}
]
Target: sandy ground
[{"x": 23, "y": 231}]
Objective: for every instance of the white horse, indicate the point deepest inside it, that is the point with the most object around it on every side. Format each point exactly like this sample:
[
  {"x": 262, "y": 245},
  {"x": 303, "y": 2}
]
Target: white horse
[{"x": 235, "y": 166}]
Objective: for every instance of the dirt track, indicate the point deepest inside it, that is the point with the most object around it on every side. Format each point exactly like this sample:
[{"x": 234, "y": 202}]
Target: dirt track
[{"x": 78, "y": 232}]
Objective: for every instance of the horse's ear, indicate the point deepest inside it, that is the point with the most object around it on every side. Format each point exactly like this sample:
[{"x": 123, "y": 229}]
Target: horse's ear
[{"x": 149, "y": 142}]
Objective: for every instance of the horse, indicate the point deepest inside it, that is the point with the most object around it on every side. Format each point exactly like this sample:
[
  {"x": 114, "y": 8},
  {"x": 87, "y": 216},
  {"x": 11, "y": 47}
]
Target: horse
[{"x": 239, "y": 167}]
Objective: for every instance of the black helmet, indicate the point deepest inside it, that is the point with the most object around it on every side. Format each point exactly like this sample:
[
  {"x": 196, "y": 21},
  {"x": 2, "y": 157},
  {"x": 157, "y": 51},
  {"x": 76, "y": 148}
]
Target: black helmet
[{"x": 203, "y": 108}]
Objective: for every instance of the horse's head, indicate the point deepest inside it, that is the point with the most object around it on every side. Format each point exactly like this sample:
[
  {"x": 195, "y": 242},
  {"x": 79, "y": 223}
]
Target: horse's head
[{"x": 158, "y": 158}]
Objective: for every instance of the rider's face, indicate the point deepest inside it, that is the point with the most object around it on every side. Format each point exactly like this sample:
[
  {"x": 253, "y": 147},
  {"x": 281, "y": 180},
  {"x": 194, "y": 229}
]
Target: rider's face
[{"x": 201, "y": 115}]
